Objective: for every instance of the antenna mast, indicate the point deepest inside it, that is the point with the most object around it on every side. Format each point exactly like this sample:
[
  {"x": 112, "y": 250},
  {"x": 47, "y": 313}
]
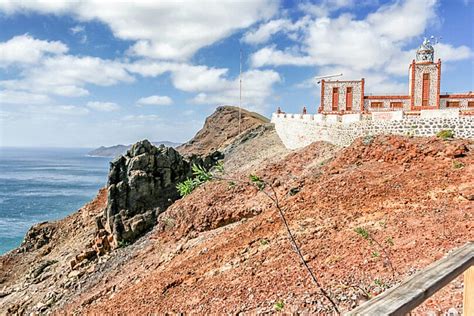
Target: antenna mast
[{"x": 240, "y": 92}]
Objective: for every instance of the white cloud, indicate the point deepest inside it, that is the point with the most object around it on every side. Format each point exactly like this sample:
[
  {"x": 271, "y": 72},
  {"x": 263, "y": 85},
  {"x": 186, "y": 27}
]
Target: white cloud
[
  {"x": 256, "y": 88},
  {"x": 80, "y": 31},
  {"x": 265, "y": 31},
  {"x": 24, "y": 49},
  {"x": 141, "y": 118},
  {"x": 77, "y": 29},
  {"x": 402, "y": 20},
  {"x": 374, "y": 45},
  {"x": 60, "y": 110},
  {"x": 67, "y": 75},
  {"x": 271, "y": 56},
  {"x": 212, "y": 85},
  {"x": 162, "y": 29},
  {"x": 192, "y": 78},
  {"x": 325, "y": 7},
  {"x": 449, "y": 53},
  {"x": 155, "y": 100},
  {"x": 21, "y": 97},
  {"x": 103, "y": 106},
  {"x": 149, "y": 68}
]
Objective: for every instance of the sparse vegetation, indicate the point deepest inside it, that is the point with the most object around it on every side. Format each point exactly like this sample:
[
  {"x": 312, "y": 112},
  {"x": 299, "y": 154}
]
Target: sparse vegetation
[
  {"x": 279, "y": 305},
  {"x": 217, "y": 173},
  {"x": 364, "y": 233},
  {"x": 201, "y": 175},
  {"x": 375, "y": 254},
  {"x": 264, "y": 241},
  {"x": 379, "y": 282},
  {"x": 445, "y": 134},
  {"x": 186, "y": 187},
  {"x": 367, "y": 140},
  {"x": 457, "y": 164},
  {"x": 122, "y": 243}
]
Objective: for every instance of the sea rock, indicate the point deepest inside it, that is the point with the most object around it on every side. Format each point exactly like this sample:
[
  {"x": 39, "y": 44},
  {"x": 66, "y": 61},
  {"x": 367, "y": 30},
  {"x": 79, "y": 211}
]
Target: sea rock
[{"x": 141, "y": 185}]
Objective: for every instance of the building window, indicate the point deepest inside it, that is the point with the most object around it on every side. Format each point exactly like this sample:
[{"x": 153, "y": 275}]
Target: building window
[
  {"x": 349, "y": 99},
  {"x": 335, "y": 99},
  {"x": 470, "y": 104},
  {"x": 396, "y": 105},
  {"x": 452, "y": 104},
  {"x": 426, "y": 90},
  {"x": 376, "y": 105}
]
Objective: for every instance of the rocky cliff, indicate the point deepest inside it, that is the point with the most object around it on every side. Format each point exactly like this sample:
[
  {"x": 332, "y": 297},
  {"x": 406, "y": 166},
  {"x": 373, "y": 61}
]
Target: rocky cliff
[
  {"x": 223, "y": 248},
  {"x": 142, "y": 184}
]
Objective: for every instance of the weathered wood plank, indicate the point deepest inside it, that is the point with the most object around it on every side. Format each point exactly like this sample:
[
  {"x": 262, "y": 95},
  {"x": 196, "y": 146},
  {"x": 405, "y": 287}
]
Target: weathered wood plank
[
  {"x": 409, "y": 294},
  {"x": 468, "y": 302}
]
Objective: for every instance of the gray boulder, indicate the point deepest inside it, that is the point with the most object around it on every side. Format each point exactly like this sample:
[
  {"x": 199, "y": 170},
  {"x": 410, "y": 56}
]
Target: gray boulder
[{"x": 141, "y": 185}]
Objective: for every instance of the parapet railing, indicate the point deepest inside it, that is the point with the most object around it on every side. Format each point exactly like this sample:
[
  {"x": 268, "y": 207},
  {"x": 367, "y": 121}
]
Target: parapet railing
[{"x": 403, "y": 298}]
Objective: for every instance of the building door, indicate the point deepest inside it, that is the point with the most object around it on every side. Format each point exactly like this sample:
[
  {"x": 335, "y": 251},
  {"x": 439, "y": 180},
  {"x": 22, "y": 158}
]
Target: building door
[
  {"x": 425, "y": 92},
  {"x": 349, "y": 99},
  {"x": 335, "y": 99}
]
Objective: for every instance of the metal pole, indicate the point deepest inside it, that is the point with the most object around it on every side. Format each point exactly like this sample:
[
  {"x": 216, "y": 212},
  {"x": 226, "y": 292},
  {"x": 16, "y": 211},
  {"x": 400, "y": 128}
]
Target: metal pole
[{"x": 240, "y": 93}]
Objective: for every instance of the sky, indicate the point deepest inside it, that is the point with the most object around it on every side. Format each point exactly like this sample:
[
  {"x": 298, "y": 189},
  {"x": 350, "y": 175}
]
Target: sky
[{"x": 97, "y": 72}]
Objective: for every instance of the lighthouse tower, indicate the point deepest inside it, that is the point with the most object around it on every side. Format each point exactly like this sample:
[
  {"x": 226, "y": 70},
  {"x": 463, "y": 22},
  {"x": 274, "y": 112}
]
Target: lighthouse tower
[{"x": 424, "y": 79}]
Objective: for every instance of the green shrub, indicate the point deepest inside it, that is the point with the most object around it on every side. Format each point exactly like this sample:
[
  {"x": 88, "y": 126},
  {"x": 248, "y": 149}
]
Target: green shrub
[
  {"x": 187, "y": 186},
  {"x": 123, "y": 243},
  {"x": 255, "y": 180},
  {"x": 445, "y": 134},
  {"x": 279, "y": 305},
  {"x": 201, "y": 175},
  {"x": 362, "y": 232},
  {"x": 457, "y": 164}
]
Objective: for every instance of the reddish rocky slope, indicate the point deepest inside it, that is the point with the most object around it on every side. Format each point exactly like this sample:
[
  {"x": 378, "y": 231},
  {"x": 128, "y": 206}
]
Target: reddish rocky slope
[{"x": 223, "y": 249}]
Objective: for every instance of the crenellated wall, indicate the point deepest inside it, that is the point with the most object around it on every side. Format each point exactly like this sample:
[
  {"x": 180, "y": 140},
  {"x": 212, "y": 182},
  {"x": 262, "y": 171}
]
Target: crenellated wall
[{"x": 297, "y": 130}]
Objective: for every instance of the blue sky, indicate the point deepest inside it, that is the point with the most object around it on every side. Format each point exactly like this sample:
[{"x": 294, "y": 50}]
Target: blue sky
[{"x": 93, "y": 72}]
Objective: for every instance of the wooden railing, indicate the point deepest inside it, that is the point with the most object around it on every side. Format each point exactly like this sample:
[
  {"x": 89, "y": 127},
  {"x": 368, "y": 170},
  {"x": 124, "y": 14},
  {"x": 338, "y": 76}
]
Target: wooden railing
[{"x": 409, "y": 294}]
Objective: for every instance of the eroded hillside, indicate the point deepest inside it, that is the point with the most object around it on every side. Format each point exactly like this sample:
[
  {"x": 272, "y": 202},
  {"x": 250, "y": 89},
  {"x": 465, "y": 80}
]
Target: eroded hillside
[
  {"x": 230, "y": 252},
  {"x": 223, "y": 248}
]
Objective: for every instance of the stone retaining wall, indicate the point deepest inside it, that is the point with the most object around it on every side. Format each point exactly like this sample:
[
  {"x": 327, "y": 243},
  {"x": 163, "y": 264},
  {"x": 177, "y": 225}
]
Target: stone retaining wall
[{"x": 297, "y": 131}]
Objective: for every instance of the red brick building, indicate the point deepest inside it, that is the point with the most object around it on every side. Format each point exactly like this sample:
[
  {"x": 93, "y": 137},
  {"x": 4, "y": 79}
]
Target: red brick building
[{"x": 343, "y": 97}]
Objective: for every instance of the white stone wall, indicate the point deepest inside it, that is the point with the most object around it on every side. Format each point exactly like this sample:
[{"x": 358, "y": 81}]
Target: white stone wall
[
  {"x": 386, "y": 103},
  {"x": 445, "y": 113},
  {"x": 462, "y": 102},
  {"x": 342, "y": 86},
  {"x": 297, "y": 133},
  {"x": 420, "y": 69}
]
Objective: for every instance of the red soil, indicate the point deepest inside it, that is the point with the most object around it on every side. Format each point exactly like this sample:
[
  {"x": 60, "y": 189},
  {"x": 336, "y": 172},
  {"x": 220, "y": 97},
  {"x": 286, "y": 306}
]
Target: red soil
[{"x": 230, "y": 252}]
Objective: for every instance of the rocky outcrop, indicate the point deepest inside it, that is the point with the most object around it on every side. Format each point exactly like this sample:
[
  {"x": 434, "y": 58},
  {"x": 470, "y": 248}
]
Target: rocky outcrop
[
  {"x": 220, "y": 130},
  {"x": 37, "y": 236},
  {"x": 142, "y": 184}
]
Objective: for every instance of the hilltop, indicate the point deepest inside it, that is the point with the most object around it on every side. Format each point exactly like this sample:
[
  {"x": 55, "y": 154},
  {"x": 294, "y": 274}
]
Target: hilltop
[
  {"x": 223, "y": 248},
  {"x": 220, "y": 129}
]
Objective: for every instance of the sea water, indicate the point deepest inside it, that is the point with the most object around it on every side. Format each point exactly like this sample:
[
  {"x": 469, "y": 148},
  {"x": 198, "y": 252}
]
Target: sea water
[{"x": 38, "y": 185}]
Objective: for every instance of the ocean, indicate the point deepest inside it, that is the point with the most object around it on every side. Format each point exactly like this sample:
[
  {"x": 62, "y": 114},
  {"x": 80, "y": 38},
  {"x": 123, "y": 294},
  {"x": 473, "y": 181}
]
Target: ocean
[{"x": 38, "y": 185}]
